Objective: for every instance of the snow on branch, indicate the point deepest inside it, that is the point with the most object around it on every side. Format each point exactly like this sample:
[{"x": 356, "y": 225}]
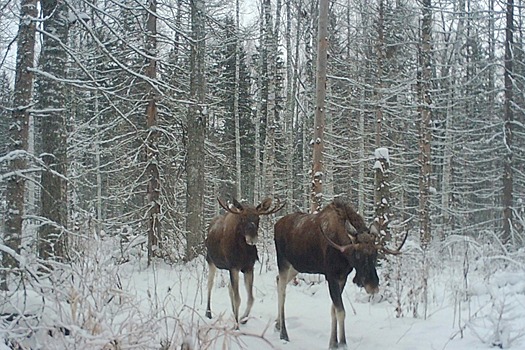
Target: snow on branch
[{"x": 382, "y": 153}]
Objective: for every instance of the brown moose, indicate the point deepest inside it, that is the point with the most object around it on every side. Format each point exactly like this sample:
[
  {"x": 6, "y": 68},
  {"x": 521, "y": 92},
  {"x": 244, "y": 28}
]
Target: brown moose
[
  {"x": 231, "y": 246},
  {"x": 332, "y": 242}
]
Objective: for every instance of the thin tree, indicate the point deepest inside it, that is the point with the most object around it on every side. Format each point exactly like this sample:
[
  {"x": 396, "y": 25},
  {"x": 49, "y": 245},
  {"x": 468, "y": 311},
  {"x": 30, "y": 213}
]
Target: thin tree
[
  {"x": 381, "y": 165},
  {"x": 236, "y": 93},
  {"x": 508, "y": 121},
  {"x": 270, "y": 92},
  {"x": 152, "y": 152},
  {"x": 196, "y": 130},
  {"x": 425, "y": 135},
  {"x": 320, "y": 112},
  {"x": 291, "y": 90},
  {"x": 18, "y": 131}
]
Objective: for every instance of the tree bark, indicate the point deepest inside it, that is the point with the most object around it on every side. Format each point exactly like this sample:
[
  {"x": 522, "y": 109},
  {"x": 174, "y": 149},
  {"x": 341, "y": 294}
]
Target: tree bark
[
  {"x": 320, "y": 111},
  {"x": 152, "y": 152},
  {"x": 53, "y": 60},
  {"x": 425, "y": 134},
  {"x": 508, "y": 120},
  {"x": 271, "y": 41},
  {"x": 382, "y": 164},
  {"x": 236, "y": 113},
  {"x": 291, "y": 84},
  {"x": 196, "y": 132},
  {"x": 19, "y": 131}
]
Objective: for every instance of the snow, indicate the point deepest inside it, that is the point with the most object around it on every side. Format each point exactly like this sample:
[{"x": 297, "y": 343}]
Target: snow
[
  {"x": 377, "y": 165},
  {"x": 104, "y": 299},
  {"x": 382, "y": 153}
]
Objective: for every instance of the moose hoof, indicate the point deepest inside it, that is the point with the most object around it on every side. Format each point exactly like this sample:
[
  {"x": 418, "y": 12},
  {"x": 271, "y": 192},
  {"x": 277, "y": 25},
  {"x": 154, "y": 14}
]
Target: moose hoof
[
  {"x": 243, "y": 320},
  {"x": 208, "y": 314}
]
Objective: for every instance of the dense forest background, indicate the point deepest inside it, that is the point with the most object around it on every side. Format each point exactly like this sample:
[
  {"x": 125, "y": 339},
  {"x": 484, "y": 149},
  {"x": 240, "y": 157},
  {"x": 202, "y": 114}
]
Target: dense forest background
[
  {"x": 139, "y": 114},
  {"x": 136, "y": 115},
  {"x": 127, "y": 119}
]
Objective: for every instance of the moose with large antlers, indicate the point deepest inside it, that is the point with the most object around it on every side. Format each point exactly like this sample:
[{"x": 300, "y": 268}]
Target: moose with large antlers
[
  {"x": 230, "y": 246},
  {"x": 332, "y": 242}
]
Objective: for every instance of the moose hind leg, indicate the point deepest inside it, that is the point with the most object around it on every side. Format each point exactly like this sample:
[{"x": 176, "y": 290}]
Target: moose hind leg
[
  {"x": 248, "y": 283},
  {"x": 211, "y": 276},
  {"x": 341, "y": 314},
  {"x": 234, "y": 295}
]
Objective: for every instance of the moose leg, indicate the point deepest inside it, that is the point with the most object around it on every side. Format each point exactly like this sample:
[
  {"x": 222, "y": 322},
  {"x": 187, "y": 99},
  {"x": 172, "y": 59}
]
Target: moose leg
[
  {"x": 234, "y": 295},
  {"x": 333, "y": 328},
  {"x": 211, "y": 276},
  {"x": 285, "y": 276},
  {"x": 341, "y": 316},
  {"x": 248, "y": 283},
  {"x": 338, "y": 315}
]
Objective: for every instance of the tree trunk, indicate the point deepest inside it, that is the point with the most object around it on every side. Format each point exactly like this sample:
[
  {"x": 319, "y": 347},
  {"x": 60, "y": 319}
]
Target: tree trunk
[
  {"x": 196, "y": 132},
  {"x": 382, "y": 163},
  {"x": 261, "y": 107},
  {"x": 362, "y": 151},
  {"x": 380, "y": 54},
  {"x": 236, "y": 113},
  {"x": 425, "y": 135},
  {"x": 382, "y": 191},
  {"x": 291, "y": 90},
  {"x": 271, "y": 41},
  {"x": 508, "y": 120},
  {"x": 152, "y": 152},
  {"x": 320, "y": 113},
  {"x": 53, "y": 61},
  {"x": 19, "y": 132}
]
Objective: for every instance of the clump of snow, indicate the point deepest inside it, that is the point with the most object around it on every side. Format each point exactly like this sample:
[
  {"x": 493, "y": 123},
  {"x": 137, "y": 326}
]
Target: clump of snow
[{"x": 382, "y": 153}]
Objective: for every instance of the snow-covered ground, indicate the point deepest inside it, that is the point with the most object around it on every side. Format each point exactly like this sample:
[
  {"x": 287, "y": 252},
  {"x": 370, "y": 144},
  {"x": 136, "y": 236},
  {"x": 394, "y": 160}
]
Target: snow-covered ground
[
  {"x": 108, "y": 305},
  {"x": 370, "y": 324}
]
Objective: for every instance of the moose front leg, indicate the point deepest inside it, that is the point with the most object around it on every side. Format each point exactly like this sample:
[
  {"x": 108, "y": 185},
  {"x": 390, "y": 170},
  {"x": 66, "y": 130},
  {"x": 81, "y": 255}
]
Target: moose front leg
[
  {"x": 338, "y": 315},
  {"x": 234, "y": 295},
  {"x": 248, "y": 283}
]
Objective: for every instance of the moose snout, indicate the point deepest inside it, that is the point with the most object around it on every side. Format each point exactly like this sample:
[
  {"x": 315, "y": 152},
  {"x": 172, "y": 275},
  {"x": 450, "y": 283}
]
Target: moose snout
[
  {"x": 370, "y": 289},
  {"x": 370, "y": 286}
]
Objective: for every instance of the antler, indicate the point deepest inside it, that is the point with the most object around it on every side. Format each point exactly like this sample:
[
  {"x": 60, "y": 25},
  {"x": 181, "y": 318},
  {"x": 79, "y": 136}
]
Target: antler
[
  {"x": 393, "y": 252},
  {"x": 275, "y": 209},
  {"x": 227, "y": 208},
  {"x": 341, "y": 248}
]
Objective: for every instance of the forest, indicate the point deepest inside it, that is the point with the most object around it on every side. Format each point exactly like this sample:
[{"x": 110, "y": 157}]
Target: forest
[{"x": 123, "y": 122}]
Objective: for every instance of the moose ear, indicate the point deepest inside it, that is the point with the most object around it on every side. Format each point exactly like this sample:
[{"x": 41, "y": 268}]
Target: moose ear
[
  {"x": 264, "y": 205},
  {"x": 236, "y": 204}
]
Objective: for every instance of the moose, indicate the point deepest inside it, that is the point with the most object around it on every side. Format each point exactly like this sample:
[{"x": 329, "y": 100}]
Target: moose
[
  {"x": 230, "y": 245},
  {"x": 331, "y": 242}
]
